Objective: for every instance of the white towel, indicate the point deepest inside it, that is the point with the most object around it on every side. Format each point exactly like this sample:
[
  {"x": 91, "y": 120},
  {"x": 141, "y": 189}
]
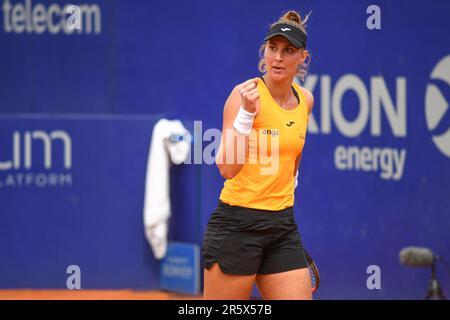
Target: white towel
[{"x": 168, "y": 137}]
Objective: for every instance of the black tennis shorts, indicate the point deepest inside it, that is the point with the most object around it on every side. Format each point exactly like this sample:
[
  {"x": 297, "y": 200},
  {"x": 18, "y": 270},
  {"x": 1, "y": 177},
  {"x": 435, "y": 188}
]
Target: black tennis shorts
[{"x": 246, "y": 241}]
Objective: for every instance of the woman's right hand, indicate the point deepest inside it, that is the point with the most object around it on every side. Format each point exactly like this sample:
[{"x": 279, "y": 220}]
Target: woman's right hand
[{"x": 249, "y": 95}]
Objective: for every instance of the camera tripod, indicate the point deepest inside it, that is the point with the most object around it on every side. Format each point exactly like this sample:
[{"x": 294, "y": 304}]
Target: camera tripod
[{"x": 434, "y": 289}]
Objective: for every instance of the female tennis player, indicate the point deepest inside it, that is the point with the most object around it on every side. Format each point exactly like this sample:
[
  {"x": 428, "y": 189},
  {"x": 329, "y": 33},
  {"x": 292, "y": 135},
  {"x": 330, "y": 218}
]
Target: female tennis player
[{"x": 252, "y": 236}]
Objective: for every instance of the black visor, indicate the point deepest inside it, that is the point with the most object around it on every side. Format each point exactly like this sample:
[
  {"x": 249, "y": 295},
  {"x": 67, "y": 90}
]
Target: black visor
[{"x": 294, "y": 35}]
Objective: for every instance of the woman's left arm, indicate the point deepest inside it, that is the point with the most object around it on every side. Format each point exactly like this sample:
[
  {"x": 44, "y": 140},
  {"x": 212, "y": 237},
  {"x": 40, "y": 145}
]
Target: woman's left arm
[
  {"x": 310, "y": 103},
  {"x": 309, "y": 99}
]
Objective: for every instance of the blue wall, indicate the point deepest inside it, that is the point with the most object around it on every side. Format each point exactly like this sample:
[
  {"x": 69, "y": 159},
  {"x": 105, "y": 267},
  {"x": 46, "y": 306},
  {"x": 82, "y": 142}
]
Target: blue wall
[{"x": 180, "y": 59}]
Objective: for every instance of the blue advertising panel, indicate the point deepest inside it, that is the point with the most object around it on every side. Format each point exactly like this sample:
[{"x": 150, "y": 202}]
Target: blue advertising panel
[
  {"x": 180, "y": 268},
  {"x": 72, "y": 193}
]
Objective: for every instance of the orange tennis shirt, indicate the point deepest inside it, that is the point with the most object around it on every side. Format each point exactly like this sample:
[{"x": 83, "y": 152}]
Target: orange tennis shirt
[{"x": 266, "y": 180}]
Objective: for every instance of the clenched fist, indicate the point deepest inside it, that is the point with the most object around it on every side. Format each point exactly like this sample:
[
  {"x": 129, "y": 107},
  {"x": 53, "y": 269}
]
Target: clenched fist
[{"x": 249, "y": 95}]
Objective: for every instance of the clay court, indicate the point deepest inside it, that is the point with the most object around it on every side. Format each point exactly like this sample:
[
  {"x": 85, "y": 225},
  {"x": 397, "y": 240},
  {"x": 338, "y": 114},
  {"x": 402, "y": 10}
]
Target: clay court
[{"x": 92, "y": 295}]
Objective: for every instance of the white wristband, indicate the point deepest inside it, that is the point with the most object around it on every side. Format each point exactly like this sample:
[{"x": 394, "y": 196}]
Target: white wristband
[
  {"x": 244, "y": 121},
  {"x": 296, "y": 180}
]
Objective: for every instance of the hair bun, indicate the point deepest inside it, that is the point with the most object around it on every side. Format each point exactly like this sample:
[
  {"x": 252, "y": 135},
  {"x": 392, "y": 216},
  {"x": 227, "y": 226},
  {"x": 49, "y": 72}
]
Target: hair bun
[{"x": 292, "y": 16}]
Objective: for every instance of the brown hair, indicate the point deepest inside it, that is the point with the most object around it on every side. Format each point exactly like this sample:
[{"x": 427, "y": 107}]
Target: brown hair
[{"x": 294, "y": 19}]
